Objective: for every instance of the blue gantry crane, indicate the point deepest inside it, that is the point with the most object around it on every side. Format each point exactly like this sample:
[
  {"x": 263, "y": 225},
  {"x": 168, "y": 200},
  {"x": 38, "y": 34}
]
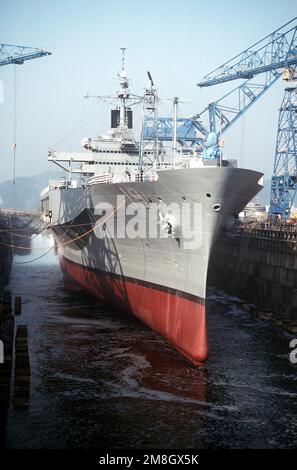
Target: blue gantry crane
[
  {"x": 260, "y": 66},
  {"x": 10, "y": 54},
  {"x": 188, "y": 129},
  {"x": 268, "y": 58},
  {"x": 284, "y": 177}
]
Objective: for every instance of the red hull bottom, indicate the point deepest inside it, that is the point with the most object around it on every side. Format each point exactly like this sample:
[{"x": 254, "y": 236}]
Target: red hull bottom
[{"x": 179, "y": 319}]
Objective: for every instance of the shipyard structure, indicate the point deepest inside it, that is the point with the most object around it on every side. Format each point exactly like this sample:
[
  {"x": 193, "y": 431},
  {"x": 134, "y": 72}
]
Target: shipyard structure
[
  {"x": 259, "y": 265},
  {"x": 6, "y": 254}
]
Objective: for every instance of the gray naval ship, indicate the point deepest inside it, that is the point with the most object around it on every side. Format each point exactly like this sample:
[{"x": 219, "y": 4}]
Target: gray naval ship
[{"x": 136, "y": 228}]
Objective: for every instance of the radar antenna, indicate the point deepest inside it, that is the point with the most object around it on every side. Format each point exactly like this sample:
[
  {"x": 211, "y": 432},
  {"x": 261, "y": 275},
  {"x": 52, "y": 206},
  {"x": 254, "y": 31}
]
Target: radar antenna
[
  {"x": 123, "y": 57},
  {"x": 150, "y": 79}
]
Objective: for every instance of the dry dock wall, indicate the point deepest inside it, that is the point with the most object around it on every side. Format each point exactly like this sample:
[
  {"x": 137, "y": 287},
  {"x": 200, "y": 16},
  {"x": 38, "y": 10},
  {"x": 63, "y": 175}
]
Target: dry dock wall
[
  {"x": 259, "y": 266},
  {"x": 5, "y": 250}
]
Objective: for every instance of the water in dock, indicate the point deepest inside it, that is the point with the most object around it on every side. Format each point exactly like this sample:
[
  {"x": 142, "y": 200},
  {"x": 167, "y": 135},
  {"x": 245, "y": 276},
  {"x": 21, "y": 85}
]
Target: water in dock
[{"x": 100, "y": 378}]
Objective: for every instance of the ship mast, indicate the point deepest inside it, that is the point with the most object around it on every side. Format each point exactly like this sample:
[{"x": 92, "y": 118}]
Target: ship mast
[
  {"x": 175, "y": 105},
  {"x": 123, "y": 93},
  {"x": 149, "y": 113}
]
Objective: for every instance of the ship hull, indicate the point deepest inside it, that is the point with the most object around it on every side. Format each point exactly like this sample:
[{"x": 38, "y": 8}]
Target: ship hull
[
  {"x": 177, "y": 316},
  {"x": 160, "y": 280}
]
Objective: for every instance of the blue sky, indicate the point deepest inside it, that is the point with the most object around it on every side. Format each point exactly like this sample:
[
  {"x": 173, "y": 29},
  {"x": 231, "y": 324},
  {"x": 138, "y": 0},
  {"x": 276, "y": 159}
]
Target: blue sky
[{"x": 179, "y": 42}]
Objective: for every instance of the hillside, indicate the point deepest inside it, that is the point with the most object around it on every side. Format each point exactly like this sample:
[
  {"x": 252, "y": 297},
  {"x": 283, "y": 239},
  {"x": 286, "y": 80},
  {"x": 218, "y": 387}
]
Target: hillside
[{"x": 25, "y": 193}]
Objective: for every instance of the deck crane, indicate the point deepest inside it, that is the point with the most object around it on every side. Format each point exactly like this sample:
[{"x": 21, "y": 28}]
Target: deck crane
[
  {"x": 10, "y": 54},
  {"x": 268, "y": 58}
]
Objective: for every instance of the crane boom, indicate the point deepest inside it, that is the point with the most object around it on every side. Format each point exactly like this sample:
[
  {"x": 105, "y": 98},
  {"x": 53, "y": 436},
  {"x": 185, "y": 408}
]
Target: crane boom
[
  {"x": 276, "y": 51},
  {"x": 11, "y": 54},
  {"x": 259, "y": 65},
  {"x": 224, "y": 112}
]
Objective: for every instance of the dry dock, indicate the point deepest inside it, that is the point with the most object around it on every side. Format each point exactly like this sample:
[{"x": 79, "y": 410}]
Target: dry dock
[
  {"x": 259, "y": 265},
  {"x": 5, "y": 250},
  {"x": 101, "y": 379}
]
